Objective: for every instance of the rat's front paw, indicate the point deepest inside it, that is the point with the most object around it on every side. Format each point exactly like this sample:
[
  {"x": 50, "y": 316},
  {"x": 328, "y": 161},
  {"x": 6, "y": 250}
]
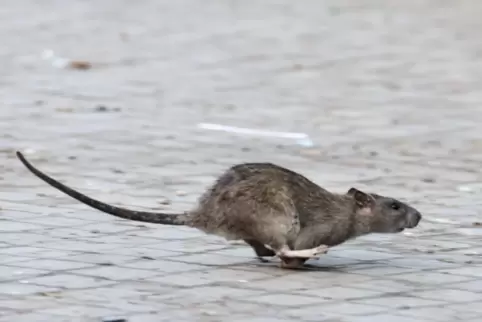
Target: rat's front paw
[{"x": 292, "y": 263}]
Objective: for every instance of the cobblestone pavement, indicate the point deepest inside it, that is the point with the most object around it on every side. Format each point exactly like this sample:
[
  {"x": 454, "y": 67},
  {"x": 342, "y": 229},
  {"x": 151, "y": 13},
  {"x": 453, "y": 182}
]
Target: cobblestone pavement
[{"x": 390, "y": 92}]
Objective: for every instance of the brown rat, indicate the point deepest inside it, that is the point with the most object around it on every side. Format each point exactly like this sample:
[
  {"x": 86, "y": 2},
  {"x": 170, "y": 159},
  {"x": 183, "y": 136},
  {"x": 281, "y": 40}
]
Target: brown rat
[{"x": 276, "y": 211}]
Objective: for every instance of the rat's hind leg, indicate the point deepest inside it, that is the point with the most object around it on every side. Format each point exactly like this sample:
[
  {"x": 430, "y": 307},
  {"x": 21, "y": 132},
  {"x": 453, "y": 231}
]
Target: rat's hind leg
[
  {"x": 286, "y": 261},
  {"x": 260, "y": 250},
  {"x": 286, "y": 252},
  {"x": 263, "y": 251},
  {"x": 293, "y": 259}
]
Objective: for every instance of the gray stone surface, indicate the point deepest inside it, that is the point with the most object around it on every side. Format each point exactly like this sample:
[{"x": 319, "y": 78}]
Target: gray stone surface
[{"x": 389, "y": 91}]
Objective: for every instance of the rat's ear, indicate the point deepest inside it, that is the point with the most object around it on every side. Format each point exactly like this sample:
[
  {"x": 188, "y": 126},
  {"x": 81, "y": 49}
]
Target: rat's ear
[
  {"x": 362, "y": 199},
  {"x": 352, "y": 191}
]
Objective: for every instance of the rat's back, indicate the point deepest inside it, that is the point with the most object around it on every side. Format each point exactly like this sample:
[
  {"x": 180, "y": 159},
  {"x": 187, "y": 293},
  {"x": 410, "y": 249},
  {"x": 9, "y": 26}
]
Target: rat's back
[{"x": 250, "y": 199}]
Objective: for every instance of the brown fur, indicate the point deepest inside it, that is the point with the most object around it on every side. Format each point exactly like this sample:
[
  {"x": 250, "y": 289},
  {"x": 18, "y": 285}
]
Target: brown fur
[{"x": 274, "y": 210}]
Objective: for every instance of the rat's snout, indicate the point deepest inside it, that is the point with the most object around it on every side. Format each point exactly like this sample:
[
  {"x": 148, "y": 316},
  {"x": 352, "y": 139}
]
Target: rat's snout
[{"x": 413, "y": 219}]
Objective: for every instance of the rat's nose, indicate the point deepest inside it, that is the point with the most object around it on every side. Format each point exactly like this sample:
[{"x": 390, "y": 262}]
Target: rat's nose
[{"x": 414, "y": 219}]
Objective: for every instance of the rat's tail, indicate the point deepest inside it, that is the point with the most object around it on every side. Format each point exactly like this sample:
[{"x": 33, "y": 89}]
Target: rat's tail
[{"x": 157, "y": 218}]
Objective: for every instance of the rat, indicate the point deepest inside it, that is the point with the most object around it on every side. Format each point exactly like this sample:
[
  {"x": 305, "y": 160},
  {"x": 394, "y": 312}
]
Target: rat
[{"x": 276, "y": 211}]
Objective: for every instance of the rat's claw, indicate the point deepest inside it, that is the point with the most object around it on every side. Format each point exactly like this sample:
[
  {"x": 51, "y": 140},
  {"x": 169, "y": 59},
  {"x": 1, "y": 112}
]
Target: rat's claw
[{"x": 322, "y": 249}]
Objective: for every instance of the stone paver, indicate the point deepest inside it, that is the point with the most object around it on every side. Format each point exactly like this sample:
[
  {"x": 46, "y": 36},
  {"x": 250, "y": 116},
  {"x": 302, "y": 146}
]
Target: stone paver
[{"x": 389, "y": 91}]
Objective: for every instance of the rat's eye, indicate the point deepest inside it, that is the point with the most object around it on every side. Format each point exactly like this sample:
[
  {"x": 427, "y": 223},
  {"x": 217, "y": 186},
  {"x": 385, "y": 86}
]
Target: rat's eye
[{"x": 395, "y": 206}]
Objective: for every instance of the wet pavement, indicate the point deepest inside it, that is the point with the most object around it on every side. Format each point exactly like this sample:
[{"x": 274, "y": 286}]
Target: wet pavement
[{"x": 389, "y": 92}]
